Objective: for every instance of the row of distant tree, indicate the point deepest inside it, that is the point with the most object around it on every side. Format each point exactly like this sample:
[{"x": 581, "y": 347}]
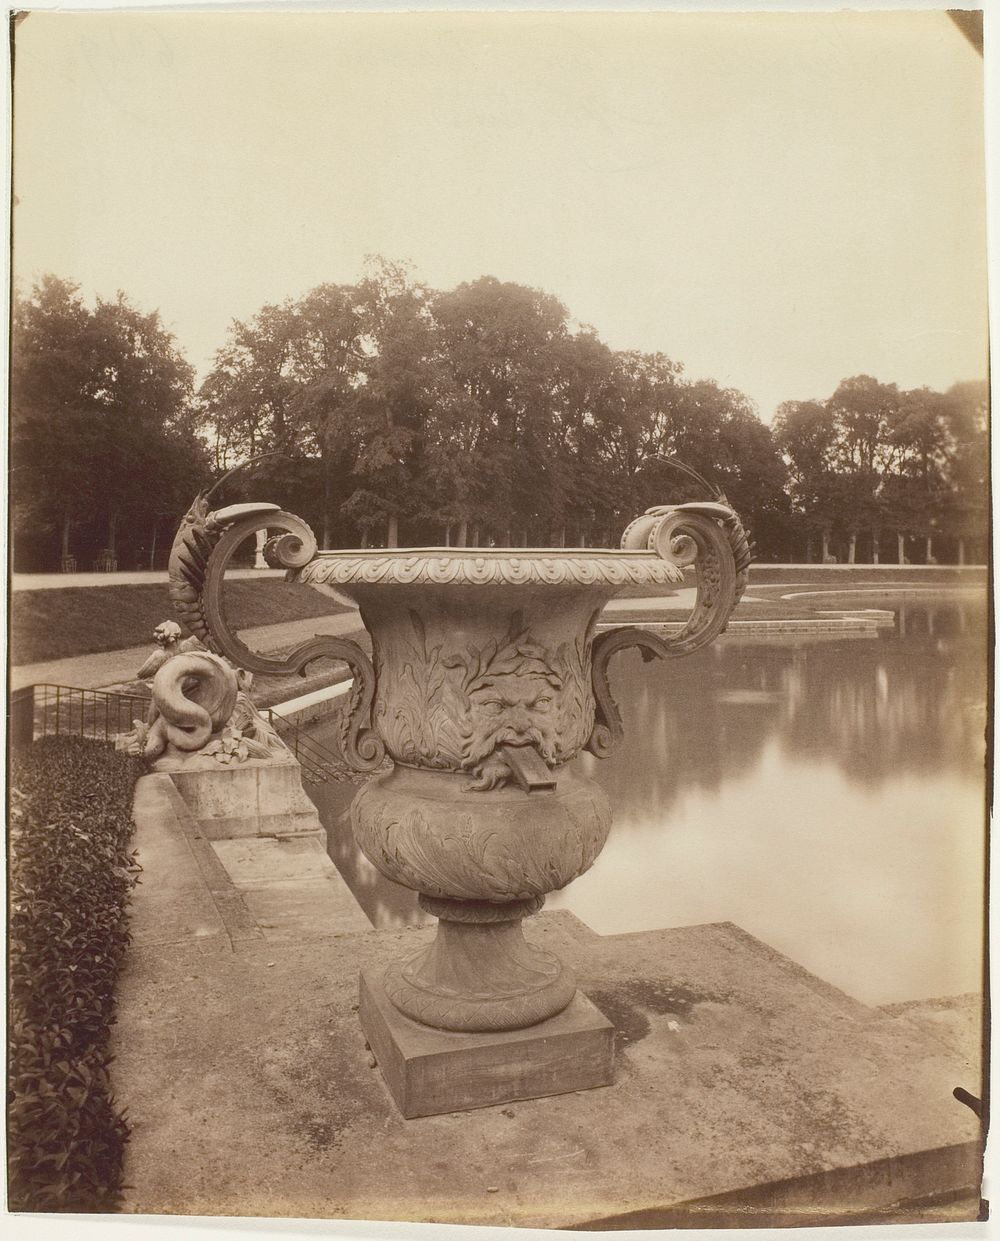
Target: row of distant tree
[
  {"x": 476, "y": 416},
  {"x": 105, "y": 443},
  {"x": 874, "y": 461}
]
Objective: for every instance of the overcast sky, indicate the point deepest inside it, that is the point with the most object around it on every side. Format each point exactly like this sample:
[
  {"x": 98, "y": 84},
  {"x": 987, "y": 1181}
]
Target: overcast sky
[{"x": 775, "y": 200}]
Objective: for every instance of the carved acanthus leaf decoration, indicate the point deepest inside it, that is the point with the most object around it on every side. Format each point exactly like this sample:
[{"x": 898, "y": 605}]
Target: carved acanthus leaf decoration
[{"x": 456, "y": 711}]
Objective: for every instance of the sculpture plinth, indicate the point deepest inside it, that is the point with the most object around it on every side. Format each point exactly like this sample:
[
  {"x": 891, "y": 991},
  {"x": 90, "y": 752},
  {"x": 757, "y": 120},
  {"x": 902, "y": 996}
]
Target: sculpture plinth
[
  {"x": 428, "y": 1070},
  {"x": 488, "y": 676}
]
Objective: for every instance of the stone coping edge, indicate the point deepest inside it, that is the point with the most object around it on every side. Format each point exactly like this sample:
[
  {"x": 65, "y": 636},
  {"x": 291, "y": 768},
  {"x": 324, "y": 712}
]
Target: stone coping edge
[
  {"x": 852, "y": 1195},
  {"x": 859, "y": 567},
  {"x": 750, "y": 628},
  {"x": 239, "y": 924},
  {"x": 313, "y": 706},
  {"x": 943, "y": 590}
]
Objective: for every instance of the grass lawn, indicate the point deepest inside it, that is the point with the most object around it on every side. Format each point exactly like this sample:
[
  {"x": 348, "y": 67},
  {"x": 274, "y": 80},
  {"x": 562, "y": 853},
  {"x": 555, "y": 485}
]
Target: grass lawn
[{"x": 54, "y": 624}]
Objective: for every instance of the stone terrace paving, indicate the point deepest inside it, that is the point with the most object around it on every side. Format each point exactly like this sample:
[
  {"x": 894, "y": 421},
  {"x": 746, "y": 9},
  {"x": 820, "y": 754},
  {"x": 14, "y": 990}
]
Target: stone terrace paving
[{"x": 746, "y": 1089}]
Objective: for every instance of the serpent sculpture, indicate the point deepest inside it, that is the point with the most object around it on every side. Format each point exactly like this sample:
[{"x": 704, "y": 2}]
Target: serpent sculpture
[
  {"x": 194, "y": 696},
  {"x": 199, "y": 705}
]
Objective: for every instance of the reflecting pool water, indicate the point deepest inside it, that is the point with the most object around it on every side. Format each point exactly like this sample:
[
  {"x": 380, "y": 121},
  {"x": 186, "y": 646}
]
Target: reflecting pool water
[{"x": 828, "y": 796}]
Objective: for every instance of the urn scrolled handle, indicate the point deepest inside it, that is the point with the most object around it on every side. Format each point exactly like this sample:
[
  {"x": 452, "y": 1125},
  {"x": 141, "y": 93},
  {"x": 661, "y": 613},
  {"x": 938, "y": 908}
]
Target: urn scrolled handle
[
  {"x": 203, "y": 546},
  {"x": 709, "y": 536}
]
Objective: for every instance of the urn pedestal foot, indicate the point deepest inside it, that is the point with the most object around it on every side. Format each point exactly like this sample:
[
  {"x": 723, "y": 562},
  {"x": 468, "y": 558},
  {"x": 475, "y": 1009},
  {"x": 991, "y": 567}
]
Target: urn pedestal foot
[
  {"x": 429, "y": 1071},
  {"x": 480, "y": 973}
]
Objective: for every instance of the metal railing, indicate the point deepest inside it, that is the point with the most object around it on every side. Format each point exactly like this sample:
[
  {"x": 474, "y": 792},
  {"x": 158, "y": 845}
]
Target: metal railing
[
  {"x": 320, "y": 764},
  {"x": 67, "y": 711}
]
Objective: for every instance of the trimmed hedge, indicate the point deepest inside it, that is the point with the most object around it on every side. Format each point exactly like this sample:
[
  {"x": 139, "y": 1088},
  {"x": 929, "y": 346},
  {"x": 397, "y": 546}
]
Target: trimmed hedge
[{"x": 71, "y": 873}]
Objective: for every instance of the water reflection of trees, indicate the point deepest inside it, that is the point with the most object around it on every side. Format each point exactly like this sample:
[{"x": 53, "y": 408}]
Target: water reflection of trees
[
  {"x": 874, "y": 707},
  {"x": 682, "y": 729},
  {"x": 888, "y": 707}
]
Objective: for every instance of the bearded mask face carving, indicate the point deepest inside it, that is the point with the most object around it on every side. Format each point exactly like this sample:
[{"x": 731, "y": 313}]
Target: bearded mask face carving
[
  {"x": 510, "y": 695},
  {"x": 518, "y": 708},
  {"x": 452, "y": 705}
]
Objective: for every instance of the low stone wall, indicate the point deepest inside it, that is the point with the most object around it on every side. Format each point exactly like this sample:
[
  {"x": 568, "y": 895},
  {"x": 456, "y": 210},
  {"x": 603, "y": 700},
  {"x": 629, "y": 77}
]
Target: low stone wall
[
  {"x": 315, "y": 706},
  {"x": 258, "y": 797}
]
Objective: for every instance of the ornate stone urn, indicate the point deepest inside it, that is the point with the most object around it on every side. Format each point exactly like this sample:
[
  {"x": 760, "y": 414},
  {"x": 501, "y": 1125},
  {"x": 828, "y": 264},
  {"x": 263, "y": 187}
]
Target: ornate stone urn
[{"x": 488, "y": 676}]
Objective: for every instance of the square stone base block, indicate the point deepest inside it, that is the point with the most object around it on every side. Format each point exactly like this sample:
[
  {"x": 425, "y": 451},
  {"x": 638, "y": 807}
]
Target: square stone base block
[
  {"x": 431, "y": 1071},
  {"x": 260, "y": 797}
]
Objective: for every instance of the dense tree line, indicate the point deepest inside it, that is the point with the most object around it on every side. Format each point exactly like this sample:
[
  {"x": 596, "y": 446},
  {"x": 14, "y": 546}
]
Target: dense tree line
[
  {"x": 873, "y": 460},
  {"x": 473, "y": 416},
  {"x": 477, "y": 416},
  {"x": 104, "y": 430}
]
